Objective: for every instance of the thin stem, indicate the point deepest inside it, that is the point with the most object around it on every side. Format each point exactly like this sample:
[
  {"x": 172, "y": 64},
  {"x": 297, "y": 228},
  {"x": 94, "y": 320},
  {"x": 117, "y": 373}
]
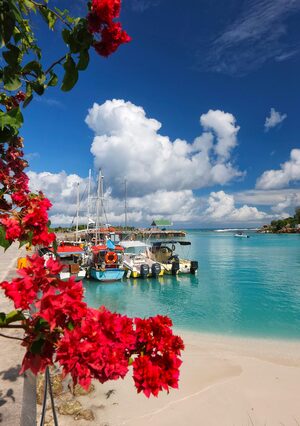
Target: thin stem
[
  {"x": 55, "y": 63},
  {"x": 12, "y": 326},
  {"x": 52, "y": 11},
  {"x": 10, "y": 337}
]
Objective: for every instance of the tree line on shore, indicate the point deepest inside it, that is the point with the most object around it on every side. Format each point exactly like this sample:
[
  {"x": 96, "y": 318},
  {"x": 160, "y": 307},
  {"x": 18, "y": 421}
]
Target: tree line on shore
[{"x": 288, "y": 225}]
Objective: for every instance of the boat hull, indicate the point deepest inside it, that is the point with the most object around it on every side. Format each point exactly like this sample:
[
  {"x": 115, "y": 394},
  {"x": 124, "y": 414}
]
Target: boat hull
[
  {"x": 107, "y": 275},
  {"x": 65, "y": 276}
]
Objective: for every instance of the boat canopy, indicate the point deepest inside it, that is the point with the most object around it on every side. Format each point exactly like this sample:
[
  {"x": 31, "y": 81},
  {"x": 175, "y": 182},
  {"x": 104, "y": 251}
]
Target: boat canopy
[
  {"x": 103, "y": 247},
  {"x": 182, "y": 243},
  {"x": 131, "y": 244}
]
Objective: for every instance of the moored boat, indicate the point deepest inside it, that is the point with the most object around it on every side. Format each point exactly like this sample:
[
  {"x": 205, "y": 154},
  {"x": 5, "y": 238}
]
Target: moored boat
[
  {"x": 107, "y": 263},
  {"x": 136, "y": 261},
  {"x": 72, "y": 257},
  {"x": 163, "y": 252}
]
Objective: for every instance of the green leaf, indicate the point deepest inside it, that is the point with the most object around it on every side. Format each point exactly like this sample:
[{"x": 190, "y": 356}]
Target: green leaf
[
  {"x": 36, "y": 347},
  {"x": 53, "y": 79},
  {"x": 84, "y": 59},
  {"x": 30, "y": 236},
  {"x": 14, "y": 316},
  {"x": 3, "y": 241},
  {"x": 22, "y": 243},
  {"x": 66, "y": 35},
  {"x": 70, "y": 326},
  {"x": 12, "y": 56},
  {"x": 11, "y": 80},
  {"x": 34, "y": 66},
  {"x": 13, "y": 118},
  {"x": 38, "y": 88},
  {"x": 2, "y": 318},
  {"x": 27, "y": 101},
  {"x": 7, "y": 25},
  {"x": 71, "y": 74},
  {"x": 41, "y": 324},
  {"x": 48, "y": 16},
  {"x": 6, "y": 133}
]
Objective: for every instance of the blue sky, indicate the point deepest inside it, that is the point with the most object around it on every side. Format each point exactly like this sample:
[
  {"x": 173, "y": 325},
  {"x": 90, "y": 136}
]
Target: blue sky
[{"x": 240, "y": 58}]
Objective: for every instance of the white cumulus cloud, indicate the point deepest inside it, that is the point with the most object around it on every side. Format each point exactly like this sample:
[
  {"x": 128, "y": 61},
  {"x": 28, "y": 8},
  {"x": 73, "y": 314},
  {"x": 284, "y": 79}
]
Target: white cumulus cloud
[
  {"x": 128, "y": 143},
  {"x": 274, "y": 119},
  {"x": 221, "y": 208},
  {"x": 281, "y": 178},
  {"x": 181, "y": 206}
]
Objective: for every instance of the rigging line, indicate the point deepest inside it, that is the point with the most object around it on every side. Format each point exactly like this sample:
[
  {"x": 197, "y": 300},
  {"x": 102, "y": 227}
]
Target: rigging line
[{"x": 82, "y": 195}]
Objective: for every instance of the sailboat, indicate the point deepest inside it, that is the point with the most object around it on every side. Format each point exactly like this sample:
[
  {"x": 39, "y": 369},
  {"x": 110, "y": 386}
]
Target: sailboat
[{"x": 107, "y": 257}]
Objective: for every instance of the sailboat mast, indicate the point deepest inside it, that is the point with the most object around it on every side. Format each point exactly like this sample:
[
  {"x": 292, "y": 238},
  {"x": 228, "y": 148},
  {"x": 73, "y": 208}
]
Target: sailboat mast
[
  {"x": 88, "y": 201},
  {"x": 125, "y": 202},
  {"x": 101, "y": 197},
  {"x": 98, "y": 205},
  {"x": 77, "y": 213}
]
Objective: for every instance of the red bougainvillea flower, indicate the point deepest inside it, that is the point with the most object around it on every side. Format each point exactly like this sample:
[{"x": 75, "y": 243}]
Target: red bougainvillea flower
[
  {"x": 19, "y": 198},
  {"x": 151, "y": 375},
  {"x": 99, "y": 349},
  {"x": 112, "y": 37},
  {"x": 63, "y": 307},
  {"x": 13, "y": 228},
  {"x": 106, "y": 10}
]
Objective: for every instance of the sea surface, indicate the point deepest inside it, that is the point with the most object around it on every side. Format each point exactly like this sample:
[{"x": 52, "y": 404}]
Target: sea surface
[{"x": 244, "y": 286}]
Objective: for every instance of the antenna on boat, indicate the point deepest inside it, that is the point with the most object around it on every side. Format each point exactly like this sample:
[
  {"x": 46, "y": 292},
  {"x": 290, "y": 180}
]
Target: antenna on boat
[
  {"x": 125, "y": 202},
  {"x": 77, "y": 213}
]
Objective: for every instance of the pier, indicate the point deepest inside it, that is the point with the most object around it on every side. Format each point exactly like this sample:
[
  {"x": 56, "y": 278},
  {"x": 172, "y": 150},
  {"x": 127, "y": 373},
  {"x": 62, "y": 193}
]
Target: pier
[{"x": 135, "y": 234}]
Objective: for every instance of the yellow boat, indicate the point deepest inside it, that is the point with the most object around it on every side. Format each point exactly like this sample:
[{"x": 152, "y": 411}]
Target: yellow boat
[{"x": 164, "y": 253}]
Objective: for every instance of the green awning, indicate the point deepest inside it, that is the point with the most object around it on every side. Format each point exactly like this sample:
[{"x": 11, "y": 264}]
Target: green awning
[{"x": 161, "y": 222}]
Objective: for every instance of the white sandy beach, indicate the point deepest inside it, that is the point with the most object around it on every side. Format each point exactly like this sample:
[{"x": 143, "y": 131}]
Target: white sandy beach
[{"x": 224, "y": 381}]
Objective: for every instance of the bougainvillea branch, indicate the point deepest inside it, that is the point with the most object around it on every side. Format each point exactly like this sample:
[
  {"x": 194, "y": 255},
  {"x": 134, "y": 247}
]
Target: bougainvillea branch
[{"x": 58, "y": 325}]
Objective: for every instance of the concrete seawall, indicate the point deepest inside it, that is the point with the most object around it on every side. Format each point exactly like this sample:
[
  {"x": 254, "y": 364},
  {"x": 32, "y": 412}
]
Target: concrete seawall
[{"x": 11, "y": 351}]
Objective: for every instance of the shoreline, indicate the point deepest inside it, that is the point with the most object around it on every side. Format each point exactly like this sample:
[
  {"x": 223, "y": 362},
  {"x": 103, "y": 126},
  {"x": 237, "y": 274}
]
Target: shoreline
[
  {"x": 224, "y": 381},
  {"x": 236, "y": 337}
]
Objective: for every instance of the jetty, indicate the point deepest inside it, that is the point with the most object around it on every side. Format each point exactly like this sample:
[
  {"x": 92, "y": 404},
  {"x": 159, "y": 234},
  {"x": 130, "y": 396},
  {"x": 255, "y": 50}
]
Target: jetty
[{"x": 124, "y": 234}]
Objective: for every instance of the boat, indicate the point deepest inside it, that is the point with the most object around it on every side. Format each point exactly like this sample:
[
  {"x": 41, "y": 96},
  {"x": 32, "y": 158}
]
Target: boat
[
  {"x": 72, "y": 257},
  {"x": 241, "y": 235},
  {"x": 107, "y": 262},
  {"x": 136, "y": 261},
  {"x": 163, "y": 252}
]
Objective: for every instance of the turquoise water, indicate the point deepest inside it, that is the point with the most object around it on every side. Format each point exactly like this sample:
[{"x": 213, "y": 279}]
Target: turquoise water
[{"x": 243, "y": 287}]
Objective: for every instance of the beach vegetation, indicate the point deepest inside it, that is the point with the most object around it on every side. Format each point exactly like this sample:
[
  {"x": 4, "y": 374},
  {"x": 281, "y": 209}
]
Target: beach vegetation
[{"x": 286, "y": 225}]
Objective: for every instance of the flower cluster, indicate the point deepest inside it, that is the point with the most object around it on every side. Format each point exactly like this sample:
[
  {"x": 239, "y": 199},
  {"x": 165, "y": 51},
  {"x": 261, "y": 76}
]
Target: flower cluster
[
  {"x": 29, "y": 220},
  {"x": 157, "y": 367},
  {"x": 90, "y": 343},
  {"x": 14, "y": 101},
  {"x": 101, "y": 22},
  {"x": 22, "y": 214}
]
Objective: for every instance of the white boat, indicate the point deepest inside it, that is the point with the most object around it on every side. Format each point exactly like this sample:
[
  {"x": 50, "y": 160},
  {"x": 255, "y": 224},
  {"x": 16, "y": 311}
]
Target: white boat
[
  {"x": 137, "y": 262},
  {"x": 241, "y": 235},
  {"x": 164, "y": 253}
]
